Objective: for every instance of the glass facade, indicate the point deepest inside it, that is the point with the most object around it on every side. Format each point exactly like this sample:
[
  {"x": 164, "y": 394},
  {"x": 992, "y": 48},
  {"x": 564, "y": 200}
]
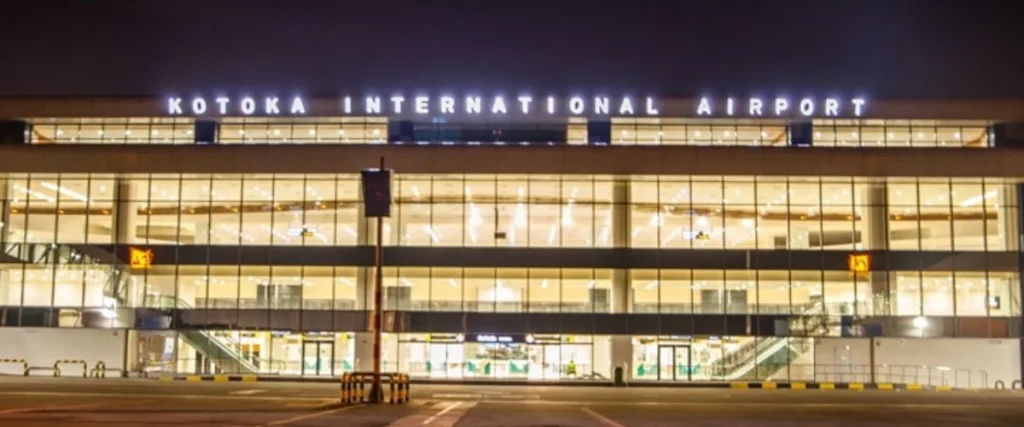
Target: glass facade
[
  {"x": 624, "y": 131},
  {"x": 668, "y": 212},
  {"x": 943, "y": 243},
  {"x": 528, "y": 276}
]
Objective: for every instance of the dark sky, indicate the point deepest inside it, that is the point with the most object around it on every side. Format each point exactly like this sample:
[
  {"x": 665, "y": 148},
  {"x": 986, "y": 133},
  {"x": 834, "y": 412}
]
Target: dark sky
[{"x": 880, "y": 48}]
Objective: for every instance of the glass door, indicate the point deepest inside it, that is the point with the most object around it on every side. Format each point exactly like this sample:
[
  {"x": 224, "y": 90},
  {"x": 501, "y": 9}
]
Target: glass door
[
  {"x": 317, "y": 358},
  {"x": 674, "y": 363}
]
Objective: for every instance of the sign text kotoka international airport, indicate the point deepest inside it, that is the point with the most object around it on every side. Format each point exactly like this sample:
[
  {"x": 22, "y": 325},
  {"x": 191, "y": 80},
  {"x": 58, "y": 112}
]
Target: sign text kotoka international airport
[{"x": 500, "y": 105}]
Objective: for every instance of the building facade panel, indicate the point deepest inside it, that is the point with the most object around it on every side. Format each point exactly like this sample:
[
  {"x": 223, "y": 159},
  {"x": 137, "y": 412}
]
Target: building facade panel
[{"x": 676, "y": 243}]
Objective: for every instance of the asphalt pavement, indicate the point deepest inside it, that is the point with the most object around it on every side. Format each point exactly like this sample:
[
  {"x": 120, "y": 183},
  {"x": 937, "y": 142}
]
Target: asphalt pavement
[{"x": 36, "y": 401}]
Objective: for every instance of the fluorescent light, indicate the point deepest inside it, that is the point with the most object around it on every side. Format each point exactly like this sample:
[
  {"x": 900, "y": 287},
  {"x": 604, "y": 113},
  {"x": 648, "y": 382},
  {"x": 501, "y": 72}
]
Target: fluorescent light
[
  {"x": 35, "y": 193},
  {"x": 65, "y": 191},
  {"x": 978, "y": 199}
]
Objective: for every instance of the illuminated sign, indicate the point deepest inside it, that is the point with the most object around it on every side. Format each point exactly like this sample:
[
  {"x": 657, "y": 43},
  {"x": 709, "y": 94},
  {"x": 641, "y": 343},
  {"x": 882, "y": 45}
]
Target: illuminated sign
[
  {"x": 521, "y": 104},
  {"x": 140, "y": 258},
  {"x": 398, "y": 104},
  {"x": 494, "y": 338},
  {"x": 860, "y": 263},
  {"x": 781, "y": 107}
]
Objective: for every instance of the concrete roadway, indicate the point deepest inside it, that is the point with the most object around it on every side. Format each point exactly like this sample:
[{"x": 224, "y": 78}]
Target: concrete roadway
[{"x": 95, "y": 402}]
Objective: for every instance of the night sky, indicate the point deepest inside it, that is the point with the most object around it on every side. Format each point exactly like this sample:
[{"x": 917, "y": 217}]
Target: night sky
[{"x": 878, "y": 48}]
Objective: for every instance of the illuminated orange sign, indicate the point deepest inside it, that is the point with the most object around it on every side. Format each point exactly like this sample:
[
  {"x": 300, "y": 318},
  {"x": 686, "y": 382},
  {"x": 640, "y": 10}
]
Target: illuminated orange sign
[
  {"x": 140, "y": 258},
  {"x": 860, "y": 263}
]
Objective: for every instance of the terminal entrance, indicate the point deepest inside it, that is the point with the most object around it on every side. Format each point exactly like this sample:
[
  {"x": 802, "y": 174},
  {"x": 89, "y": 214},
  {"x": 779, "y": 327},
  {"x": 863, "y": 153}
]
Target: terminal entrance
[
  {"x": 674, "y": 363},
  {"x": 318, "y": 358}
]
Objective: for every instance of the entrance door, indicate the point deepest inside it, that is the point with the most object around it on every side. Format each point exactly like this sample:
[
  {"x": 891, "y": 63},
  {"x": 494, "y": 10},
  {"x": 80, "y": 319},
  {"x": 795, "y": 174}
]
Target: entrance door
[
  {"x": 674, "y": 363},
  {"x": 317, "y": 358}
]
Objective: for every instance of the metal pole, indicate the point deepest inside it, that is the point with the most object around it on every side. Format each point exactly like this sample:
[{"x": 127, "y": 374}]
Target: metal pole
[{"x": 378, "y": 309}]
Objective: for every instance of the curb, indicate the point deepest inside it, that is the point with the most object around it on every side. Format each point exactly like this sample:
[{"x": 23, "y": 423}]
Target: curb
[
  {"x": 736, "y": 385},
  {"x": 212, "y": 378},
  {"x": 828, "y": 386}
]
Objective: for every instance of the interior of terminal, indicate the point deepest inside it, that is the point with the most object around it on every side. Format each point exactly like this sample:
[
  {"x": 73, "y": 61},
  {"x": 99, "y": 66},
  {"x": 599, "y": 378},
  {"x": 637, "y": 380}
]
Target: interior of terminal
[
  {"x": 624, "y": 131},
  {"x": 700, "y": 212}
]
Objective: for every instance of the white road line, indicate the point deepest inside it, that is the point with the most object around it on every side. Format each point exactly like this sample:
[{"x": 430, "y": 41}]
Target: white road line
[
  {"x": 601, "y": 418},
  {"x": 442, "y": 412},
  {"x": 247, "y": 392},
  {"x": 313, "y": 415},
  {"x": 755, "y": 404},
  {"x": 51, "y": 408},
  {"x": 448, "y": 413},
  {"x": 158, "y": 396},
  {"x": 456, "y": 396}
]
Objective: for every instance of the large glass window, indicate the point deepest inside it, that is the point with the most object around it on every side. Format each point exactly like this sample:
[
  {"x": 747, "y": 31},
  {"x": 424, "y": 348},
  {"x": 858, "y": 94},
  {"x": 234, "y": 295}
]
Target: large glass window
[{"x": 137, "y": 130}]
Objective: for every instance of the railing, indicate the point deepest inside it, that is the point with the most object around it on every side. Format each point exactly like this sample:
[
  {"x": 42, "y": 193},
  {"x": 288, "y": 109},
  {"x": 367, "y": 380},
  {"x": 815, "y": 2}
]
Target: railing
[
  {"x": 211, "y": 365},
  {"x": 897, "y": 374}
]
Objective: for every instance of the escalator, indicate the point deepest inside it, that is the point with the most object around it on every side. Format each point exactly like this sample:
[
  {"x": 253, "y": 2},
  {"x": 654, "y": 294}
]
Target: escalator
[
  {"x": 223, "y": 352},
  {"x": 751, "y": 360},
  {"x": 764, "y": 357}
]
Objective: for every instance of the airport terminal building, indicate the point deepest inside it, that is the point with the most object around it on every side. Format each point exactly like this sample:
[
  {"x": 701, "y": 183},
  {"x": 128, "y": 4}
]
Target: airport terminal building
[{"x": 532, "y": 236}]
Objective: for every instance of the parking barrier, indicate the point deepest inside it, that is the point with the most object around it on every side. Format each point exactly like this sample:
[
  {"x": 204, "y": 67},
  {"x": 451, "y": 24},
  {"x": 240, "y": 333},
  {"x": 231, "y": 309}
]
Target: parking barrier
[
  {"x": 354, "y": 387},
  {"x": 1016, "y": 385},
  {"x": 100, "y": 371},
  {"x": 56, "y": 367},
  {"x": 22, "y": 362}
]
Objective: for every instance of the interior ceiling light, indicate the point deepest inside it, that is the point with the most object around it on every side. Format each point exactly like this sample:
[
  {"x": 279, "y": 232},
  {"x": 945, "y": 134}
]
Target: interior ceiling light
[{"x": 65, "y": 191}]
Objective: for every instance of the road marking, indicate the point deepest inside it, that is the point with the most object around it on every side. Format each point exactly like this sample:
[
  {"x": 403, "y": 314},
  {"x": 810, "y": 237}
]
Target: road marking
[
  {"x": 313, "y": 415},
  {"x": 601, "y": 418},
  {"x": 158, "y": 396},
  {"x": 757, "y": 404},
  {"x": 325, "y": 402},
  {"x": 457, "y": 396},
  {"x": 442, "y": 412},
  {"x": 51, "y": 408},
  {"x": 447, "y": 415},
  {"x": 247, "y": 392},
  {"x": 485, "y": 396}
]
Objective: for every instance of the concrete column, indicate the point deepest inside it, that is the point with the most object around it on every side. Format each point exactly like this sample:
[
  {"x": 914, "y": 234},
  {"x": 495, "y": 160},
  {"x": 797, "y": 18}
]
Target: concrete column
[
  {"x": 363, "y": 351},
  {"x": 1015, "y": 240},
  {"x": 622, "y": 355},
  {"x": 126, "y": 211},
  {"x": 5, "y": 289},
  {"x": 875, "y": 237},
  {"x": 1009, "y": 229},
  {"x": 365, "y": 232},
  {"x": 5, "y": 212},
  {"x": 132, "y": 359},
  {"x": 622, "y": 292}
]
